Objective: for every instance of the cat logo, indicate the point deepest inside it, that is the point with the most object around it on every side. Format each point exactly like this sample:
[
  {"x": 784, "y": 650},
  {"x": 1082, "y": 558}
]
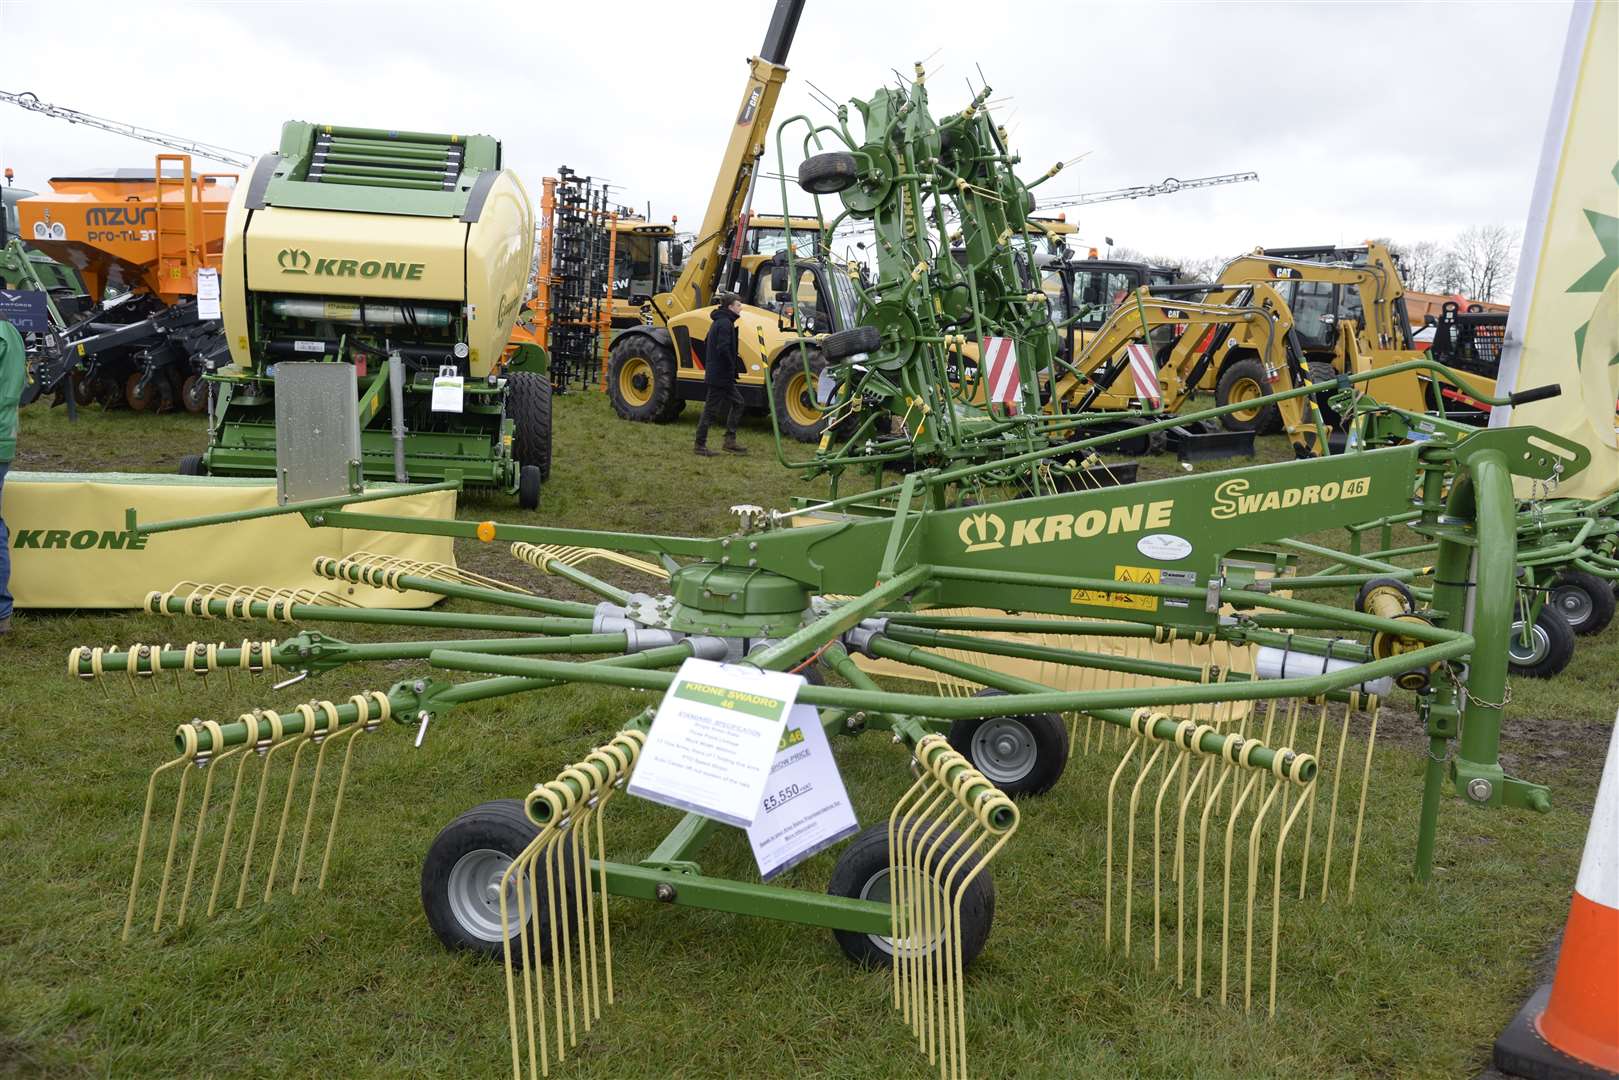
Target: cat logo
[{"x": 982, "y": 532}]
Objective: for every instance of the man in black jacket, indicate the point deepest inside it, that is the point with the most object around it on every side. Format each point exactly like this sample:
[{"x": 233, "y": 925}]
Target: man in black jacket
[{"x": 719, "y": 376}]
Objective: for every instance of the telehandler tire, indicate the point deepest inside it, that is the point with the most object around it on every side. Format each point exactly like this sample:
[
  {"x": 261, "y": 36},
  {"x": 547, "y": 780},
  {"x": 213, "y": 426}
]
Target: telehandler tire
[
  {"x": 828, "y": 174},
  {"x": 1241, "y": 380},
  {"x": 528, "y": 402},
  {"x": 641, "y": 380},
  {"x": 792, "y": 395}
]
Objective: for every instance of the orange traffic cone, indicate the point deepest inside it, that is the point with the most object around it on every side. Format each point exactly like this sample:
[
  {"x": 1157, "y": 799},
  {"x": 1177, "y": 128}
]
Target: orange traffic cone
[{"x": 1571, "y": 1028}]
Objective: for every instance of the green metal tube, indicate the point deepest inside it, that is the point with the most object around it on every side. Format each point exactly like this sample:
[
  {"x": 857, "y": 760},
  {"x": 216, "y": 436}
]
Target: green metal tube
[
  {"x": 462, "y": 591},
  {"x": 803, "y": 642},
  {"x": 395, "y": 492},
  {"x": 586, "y": 581},
  {"x": 1489, "y": 490}
]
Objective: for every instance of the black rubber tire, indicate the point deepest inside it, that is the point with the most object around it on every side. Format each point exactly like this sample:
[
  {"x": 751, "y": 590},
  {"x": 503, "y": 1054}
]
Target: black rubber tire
[
  {"x": 1046, "y": 735},
  {"x": 1590, "y": 615},
  {"x": 665, "y": 402},
  {"x": 1551, "y": 647},
  {"x": 1247, "y": 367},
  {"x": 500, "y": 825},
  {"x": 528, "y": 487},
  {"x": 828, "y": 174},
  {"x": 781, "y": 376},
  {"x": 847, "y": 343},
  {"x": 191, "y": 465},
  {"x": 528, "y": 402},
  {"x": 866, "y": 859},
  {"x": 1321, "y": 371}
]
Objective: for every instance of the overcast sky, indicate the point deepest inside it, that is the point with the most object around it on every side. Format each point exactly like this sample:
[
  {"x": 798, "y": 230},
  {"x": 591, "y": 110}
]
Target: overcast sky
[{"x": 1362, "y": 119}]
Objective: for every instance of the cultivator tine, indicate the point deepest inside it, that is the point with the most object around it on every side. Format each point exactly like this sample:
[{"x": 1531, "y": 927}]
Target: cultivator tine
[
  {"x": 1262, "y": 800},
  {"x": 546, "y": 557},
  {"x": 205, "y": 745},
  {"x": 570, "y": 811},
  {"x": 140, "y": 662},
  {"x": 385, "y": 572},
  {"x": 942, "y": 833}
]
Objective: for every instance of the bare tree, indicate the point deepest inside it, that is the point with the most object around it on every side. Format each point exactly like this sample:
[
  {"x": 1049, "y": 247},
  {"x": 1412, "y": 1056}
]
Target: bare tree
[{"x": 1481, "y": 261}]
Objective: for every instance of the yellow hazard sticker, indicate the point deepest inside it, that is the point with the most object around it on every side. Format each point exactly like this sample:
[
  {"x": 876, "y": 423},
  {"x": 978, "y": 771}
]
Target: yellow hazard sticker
[{"x": 1136, "y": 575}]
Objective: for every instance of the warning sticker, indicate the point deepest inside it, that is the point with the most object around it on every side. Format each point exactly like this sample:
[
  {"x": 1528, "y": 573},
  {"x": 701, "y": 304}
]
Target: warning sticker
[{"x": 1136, "y": 575}]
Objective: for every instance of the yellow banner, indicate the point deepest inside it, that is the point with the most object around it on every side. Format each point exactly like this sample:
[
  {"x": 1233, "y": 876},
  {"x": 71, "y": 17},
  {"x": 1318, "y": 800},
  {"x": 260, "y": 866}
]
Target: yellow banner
[
  {"x": 69, "y": 548},
  {"x": 1564, "y": 326}
]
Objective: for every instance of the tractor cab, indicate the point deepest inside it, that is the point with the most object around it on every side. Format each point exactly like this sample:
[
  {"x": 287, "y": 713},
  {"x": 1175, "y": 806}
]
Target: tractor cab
[{"x": 1083, "y": 293}]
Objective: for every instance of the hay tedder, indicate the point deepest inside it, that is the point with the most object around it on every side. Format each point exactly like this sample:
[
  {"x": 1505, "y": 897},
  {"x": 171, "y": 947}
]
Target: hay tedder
[{"x": 996, "y": 611}]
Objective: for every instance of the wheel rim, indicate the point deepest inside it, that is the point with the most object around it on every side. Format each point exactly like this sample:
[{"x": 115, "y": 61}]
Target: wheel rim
[
  {"x": 1534, "y": 651},
  {"x": 876, "y": 889},
  {"x": 1244, "y": 389},
  {"x": 474, "y": 893},
  {"x": 1003, "y": 749},
  {"x": 139, "y": 397},
  {"x": 800, "y": 409},
  {"x": 635, "y": 381},
  {"x": 1574, "y": 602}
]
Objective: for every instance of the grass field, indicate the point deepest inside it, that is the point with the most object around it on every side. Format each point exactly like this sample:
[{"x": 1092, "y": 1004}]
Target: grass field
[{"x": 1405, "y": 980}]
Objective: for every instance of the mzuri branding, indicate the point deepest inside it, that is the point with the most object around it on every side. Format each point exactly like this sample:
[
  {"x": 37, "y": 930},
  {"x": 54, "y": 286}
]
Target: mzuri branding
[
  {"x": 298, "y": 261},
  {"x": 986, "y": 532},
  {"x": 1233, "y": 499},
  {"x": 82, "y": 540}
]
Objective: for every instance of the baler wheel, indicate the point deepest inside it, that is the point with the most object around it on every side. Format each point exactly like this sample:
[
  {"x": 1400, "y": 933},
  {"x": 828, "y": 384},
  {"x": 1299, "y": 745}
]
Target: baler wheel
[
  {"x": 191, "y": 465},
  {"x": 529, "y": 404},
  {"x": 528, "y": 487}
]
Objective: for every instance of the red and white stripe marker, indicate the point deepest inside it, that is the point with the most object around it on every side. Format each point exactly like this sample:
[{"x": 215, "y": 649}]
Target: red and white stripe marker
[
  {"x": 1001, "y": 371},
  {"x": 1571, "y": 1029},
  {"x": 1145, "y": 374}
]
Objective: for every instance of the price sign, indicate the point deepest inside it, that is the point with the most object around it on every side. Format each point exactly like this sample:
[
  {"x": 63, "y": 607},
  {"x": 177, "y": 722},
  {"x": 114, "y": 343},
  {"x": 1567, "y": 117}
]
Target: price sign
[{"x": 805, "y": 808}]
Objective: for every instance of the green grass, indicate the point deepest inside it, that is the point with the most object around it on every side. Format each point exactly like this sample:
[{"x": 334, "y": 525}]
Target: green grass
[{"x": 1406, "y": 979}]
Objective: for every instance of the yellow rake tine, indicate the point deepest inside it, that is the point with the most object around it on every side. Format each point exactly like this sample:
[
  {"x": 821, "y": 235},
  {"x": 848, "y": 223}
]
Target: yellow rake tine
[
  {"x": 1254, "y": 832},
  {"x": 168, "y": 860},
  {"x": 1130, "y": 836},
  {"x": 1210, "y": 805},
  {"x": 258, "y": 803},
  {"x": 325, "y": 739},
  {"x": 337, "y": 799},
  {"x": 1107, "y": 903},
  {"x": 140, "y": 845},
  {"x": 1225, "y": 910},
  {"x": 202, "y": 822},
  {"x": 1365, "y": 785},
  {"x": 1309, "y": 817},
  {"x": 286, "y": 805},
  {"x": 1180, "y": 859},
  {"x": 896, "y": 879},
  {"x": 230, "y": 823},
  {"x": 1276, "y": 898},
  {"x": 1332, "y": 813},
  {"x": 1177, "y": 769},
  {"x": 921, "y": 897}
]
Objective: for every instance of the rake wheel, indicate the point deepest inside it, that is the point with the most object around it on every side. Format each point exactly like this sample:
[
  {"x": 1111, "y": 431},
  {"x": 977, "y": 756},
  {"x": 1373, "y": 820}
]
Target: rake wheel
[{"x": 1023, "y": 755}]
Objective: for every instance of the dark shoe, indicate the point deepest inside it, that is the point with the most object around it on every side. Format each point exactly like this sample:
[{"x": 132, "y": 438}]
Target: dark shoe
[
  {"x": 731, "y": 447},
  {"x": 703, "y": 451},
  {"x": 5, "y": 625}
]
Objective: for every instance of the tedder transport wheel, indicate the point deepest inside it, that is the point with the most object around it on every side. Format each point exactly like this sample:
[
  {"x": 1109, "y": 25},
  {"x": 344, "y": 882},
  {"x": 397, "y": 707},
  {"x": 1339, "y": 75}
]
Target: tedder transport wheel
[
  {"x": 191, "y": 465},
  {"x": 1549, "y": 648},
  {"x": 793, "y": 395},
  {"x": 194, "y": 394},
  {"x": 528, "y": 487},
  {"x": 1022, "y": 755},
  {"x": 1585, "y": 601},
  {"x": 862, "y": 873},
  {"x": 641, "y": 380},
  {"x": 828, "y": 174},
  {"x": 847, "y": 343},
  {"x": 461, "y": 880},
  {"x": 529, "y": 404},
  {"x": 1243, "y": 380}
]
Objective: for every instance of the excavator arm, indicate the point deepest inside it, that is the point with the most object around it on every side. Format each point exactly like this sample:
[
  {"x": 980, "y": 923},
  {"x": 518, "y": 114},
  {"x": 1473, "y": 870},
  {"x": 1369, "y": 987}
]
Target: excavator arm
[{"x": 1378, "y": 280}]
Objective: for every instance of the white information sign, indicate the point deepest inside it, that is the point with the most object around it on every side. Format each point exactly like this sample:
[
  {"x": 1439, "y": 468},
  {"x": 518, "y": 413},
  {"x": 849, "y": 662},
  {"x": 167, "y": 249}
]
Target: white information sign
[
  {"x": 805, "y": 808},
  {"x": 713, "y": 742},
  {"x": 447, "y": 390},
  {"x": 208, "y": 293}
]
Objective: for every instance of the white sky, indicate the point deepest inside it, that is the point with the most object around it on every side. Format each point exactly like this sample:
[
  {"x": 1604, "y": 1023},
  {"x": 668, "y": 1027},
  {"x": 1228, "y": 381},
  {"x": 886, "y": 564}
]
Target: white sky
[{"x": 1362, "y": 119}]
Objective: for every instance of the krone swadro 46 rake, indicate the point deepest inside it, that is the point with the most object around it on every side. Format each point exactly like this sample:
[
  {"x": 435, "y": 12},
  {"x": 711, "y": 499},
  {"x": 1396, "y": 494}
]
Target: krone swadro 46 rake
[{"x": 1162, "y": 622}]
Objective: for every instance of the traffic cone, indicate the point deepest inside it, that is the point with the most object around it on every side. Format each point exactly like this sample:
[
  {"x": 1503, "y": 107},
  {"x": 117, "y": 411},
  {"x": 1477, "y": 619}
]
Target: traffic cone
[{"x": 1571, "y": 1028}]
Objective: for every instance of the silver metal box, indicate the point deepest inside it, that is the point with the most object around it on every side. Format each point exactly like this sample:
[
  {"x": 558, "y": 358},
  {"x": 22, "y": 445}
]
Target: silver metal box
[{"x": 317, "y": 431}]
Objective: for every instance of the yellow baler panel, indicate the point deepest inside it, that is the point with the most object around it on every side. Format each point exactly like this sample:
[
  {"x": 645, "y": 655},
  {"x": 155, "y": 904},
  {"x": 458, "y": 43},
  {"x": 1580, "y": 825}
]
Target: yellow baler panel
[{"x": 331, "y": 253}]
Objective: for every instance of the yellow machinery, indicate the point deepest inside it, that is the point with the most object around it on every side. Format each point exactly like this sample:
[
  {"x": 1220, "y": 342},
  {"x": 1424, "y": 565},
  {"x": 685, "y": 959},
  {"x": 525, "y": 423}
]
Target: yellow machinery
[{"x": 654, "y": 369}]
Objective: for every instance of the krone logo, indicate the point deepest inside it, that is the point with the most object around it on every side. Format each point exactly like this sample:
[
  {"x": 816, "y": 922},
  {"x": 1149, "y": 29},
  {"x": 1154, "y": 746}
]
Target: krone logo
[
  {"x": 293, "y": 261},
  {"x": 982, "y": 532}
]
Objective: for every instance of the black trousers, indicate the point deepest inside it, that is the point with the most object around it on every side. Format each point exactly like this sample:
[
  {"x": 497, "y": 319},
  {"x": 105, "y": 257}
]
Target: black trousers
[{"x": 724, "y": 400}]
